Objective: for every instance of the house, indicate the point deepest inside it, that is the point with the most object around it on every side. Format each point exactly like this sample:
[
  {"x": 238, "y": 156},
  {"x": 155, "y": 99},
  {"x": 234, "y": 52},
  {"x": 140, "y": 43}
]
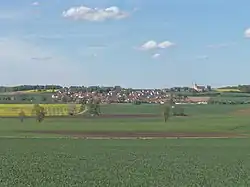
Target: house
[{"x": 199, "y": 88}]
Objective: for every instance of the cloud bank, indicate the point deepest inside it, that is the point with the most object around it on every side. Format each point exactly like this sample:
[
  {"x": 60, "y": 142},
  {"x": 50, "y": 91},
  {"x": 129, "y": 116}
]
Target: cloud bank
[{"x": 94, "y": 14}]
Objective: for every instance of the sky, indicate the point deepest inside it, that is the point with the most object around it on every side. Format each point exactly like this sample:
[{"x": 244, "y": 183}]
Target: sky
[{"x": 132, "y": 43}]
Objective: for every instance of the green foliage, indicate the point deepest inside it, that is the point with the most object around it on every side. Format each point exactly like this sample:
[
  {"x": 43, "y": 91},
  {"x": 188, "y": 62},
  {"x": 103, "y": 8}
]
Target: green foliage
[
  {"x": 137, "y": 102},
  {"x": 82, "y": 107},
  {"x": 21, "y": 115},
  {"x": 71, "y": 109},
  {"x": 39, "y": 112},
  {"x": 94, "y": 107},
  {"x": 166, "y": 111},
  {"x": 42, "y": 98},
  {"x": 229, "y": 100},
  {"x": 178, "y": 111}
]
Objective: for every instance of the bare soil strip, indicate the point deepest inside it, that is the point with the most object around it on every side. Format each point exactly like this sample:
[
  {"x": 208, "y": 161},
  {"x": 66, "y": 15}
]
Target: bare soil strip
[
  {"x": 128, "y": 116},
  {"x": 243, "y": 112},
  {"x": 110, "y": 138},
  {"x": 80, "y": 134},
  {"x": 102, "y": 116}
]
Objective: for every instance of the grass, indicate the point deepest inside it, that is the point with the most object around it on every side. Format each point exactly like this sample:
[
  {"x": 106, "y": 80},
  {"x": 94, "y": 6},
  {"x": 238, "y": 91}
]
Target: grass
[
  {"x": 217, "y": 124},
  {"x": 46, "y": 162},
  {"x": 202, "y": 118},
  {"x": 166, "y": 162}
]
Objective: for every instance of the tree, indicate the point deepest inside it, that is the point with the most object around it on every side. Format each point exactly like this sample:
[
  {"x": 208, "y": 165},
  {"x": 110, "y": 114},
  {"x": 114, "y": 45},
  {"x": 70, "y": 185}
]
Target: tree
[
  {"x": 98, "y": 108},
  {"x": 39, "y": 112},
  {"x": 71, "y": 109},
  {"x": 21, "y": 115},
  {"x": 82, "y": 107},
  {"x": 166, "y": 111},
  {"x": 245, "y": 88},
  {"x": 94, "y": 107}
]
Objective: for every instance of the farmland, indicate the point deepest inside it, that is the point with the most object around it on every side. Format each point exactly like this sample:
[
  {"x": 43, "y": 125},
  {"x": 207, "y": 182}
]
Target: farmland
[
  {"x": 59, "y": 151},
  {"x": 50, "y": 162},
  {"x": 12, "y": 110}
]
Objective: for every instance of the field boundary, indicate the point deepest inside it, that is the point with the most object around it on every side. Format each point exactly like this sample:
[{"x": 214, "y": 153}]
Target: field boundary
[
  {"x": 117, "y": 138},
  {"x": 133, "y": 135},
  {"x": 101, "y": 116}
]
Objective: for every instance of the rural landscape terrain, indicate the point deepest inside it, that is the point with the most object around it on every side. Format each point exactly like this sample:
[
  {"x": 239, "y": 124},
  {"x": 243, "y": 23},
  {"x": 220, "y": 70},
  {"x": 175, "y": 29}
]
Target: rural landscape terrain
[
  {"x": 202, "y": 143},
  {"x": 134, "y": 93}
]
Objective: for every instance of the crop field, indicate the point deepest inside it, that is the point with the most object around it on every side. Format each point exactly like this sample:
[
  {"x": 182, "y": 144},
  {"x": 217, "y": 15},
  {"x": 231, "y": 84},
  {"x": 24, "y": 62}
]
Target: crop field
[
  {"x": 129, "y": 145},
  {"x": 40, "y": 91},
  {"x": 227, "y": 90}
]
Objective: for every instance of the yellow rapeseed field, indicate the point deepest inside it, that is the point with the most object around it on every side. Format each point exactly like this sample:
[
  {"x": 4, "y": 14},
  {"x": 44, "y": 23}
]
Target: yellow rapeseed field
[
  {"x": 227, "y": 90},
  {"x": 40, "y": 91},
  {"x": 12, "y": 110}
]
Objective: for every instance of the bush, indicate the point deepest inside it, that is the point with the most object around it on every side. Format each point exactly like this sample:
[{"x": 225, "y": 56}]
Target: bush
[
  {"x": 71, "y": 109},
  {"x": 39, "y": 112},
  {"x": 137, "y": 102},
  {"x": 178, "y": 111}
]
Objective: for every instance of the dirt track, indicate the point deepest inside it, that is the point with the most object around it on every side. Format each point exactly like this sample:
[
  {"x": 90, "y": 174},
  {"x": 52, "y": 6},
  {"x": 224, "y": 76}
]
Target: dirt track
[
  {"x": 102, "y": 116},
  {"x": 80, "y": 134},
  {"x": 128, "y": 116}
]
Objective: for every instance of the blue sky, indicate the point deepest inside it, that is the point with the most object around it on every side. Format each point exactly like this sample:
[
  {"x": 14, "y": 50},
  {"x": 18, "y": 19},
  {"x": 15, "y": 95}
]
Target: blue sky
[{"x": 132, "y": 43}]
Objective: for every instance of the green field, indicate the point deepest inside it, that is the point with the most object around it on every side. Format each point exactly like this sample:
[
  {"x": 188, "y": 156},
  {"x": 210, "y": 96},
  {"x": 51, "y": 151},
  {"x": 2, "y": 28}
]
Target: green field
[
  {"x": 48, "y": 162},
  {"x": 34, "y": 159}
]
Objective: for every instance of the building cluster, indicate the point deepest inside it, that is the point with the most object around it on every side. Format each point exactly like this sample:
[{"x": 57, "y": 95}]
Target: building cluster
[
  {"x": 113, "y": 96},
  {"x": 120, "y": 95}
]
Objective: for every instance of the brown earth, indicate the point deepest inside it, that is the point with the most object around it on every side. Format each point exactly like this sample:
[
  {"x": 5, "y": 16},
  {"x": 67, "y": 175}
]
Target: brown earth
[
  {"x": 117, "y": 116},
  {"x": 128, "y": 116},
  {"x": 198, "y": 99},
  {"x": 243, "y": 112},
  {"x": 80, "y": 134}
]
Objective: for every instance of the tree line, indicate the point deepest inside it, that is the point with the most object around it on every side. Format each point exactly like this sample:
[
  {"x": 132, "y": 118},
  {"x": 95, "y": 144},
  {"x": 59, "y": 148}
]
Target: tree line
[{"x": 242, "y": 88}]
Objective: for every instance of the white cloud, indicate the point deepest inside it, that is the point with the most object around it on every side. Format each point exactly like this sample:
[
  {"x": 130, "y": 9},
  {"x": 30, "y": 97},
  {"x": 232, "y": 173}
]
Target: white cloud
[
  {"x": 247, "y": 33},
  {"x": 151, "y": 44},
  {"x": 156, "y": 55},
  {"x": 25, "y": 63},
  {"x": 165, "y": 44},
  {"x": 94, "y": 14},
  {"x": 35, "y": 3}
]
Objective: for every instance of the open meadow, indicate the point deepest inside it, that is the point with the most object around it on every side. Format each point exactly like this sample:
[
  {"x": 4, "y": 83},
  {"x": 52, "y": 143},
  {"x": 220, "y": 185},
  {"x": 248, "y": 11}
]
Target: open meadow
[{"x": 69, "y": 152}]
